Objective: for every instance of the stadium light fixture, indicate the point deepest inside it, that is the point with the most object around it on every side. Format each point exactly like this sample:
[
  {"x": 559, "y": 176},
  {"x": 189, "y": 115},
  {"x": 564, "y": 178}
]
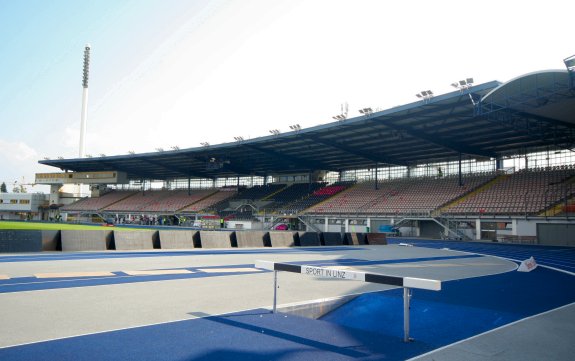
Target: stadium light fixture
[
  {"x": 239, "y": 139},
  {"x": 205, "y": 144},
  {"x": 102, "y": 155},
  {"x": 275, "y": 132},
  {"x": 463, "y": 84},
  {"x": 295, "y": 127},
  {"x": 131, "y": 152},
  {"x": 46, "y": 158},
  {"x": 175, "y": 147},
  {"x": 343, "y": 115},
  {"x": 425, "y": 94},
  {"x": 159, "y": 149},
  {"x": 366, "y": 111},
  {"x": 60, "y": 157},
  {"x": 570, "y": 63}
]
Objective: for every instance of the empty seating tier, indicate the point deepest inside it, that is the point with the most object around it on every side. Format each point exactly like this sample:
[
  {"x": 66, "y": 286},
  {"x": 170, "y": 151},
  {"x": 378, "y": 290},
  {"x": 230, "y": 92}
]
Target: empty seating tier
[
  {"x": 522, "y": 193},
  {"x": 97, "y": 203},
  {"x": 419, "y": 196}
]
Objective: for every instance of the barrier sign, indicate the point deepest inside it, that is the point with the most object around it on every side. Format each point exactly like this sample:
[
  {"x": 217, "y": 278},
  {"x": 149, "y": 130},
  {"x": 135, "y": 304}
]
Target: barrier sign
[
  {"x": 332, "y": 273},
  {"x": 322, "y": 272}
]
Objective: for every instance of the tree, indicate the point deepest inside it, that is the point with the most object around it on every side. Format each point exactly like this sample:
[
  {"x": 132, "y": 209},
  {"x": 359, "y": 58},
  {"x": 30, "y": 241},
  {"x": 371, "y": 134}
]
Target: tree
[{"x": 3, "y": 188}]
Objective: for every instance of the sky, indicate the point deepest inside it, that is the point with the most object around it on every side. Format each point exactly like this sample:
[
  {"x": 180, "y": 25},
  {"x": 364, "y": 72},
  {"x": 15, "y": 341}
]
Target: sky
[{"x": 167, "y": 73}]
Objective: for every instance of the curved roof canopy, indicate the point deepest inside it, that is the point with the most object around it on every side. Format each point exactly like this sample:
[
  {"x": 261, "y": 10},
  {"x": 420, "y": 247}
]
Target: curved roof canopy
[
  {"x": 488, "y": 120},
  {"x": 544, "y": 94}
]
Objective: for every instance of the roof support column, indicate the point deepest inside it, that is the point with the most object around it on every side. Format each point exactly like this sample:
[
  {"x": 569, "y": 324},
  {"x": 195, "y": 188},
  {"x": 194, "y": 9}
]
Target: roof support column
[
  {"x": 376, "y": 167},
  {"x": 498, "y": 163},
  {"x": 459, "y": 171}
]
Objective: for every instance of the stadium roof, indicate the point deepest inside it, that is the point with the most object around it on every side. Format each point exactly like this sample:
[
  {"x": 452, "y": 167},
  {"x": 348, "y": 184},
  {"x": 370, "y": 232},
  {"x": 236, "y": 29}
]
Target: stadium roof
[{"x": 491, "y": 120}]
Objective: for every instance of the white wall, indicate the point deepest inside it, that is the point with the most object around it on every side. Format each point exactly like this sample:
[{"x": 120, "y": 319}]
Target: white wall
[
  {"x": 21, "y": 202},
  {"x": 239, "y": 224}
]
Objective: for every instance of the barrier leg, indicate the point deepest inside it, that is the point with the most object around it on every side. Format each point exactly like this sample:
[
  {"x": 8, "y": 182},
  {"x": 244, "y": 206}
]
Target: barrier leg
[
  {"x": 275, "y": 290},
  {"x": 406, "y": 300}
]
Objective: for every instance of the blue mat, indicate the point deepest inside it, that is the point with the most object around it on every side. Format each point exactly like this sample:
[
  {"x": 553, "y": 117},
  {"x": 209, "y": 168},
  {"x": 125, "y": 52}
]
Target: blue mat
[{"x": 462, "y": 308}]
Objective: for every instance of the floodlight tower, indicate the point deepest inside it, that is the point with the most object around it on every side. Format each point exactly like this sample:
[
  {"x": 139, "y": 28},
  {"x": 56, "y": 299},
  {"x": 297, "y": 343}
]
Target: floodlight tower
[{"x": 87, "y": 49}]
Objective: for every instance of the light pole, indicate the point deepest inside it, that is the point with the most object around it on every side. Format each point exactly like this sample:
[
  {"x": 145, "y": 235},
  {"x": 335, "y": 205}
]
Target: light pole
[{"x": 84, "y": 118}]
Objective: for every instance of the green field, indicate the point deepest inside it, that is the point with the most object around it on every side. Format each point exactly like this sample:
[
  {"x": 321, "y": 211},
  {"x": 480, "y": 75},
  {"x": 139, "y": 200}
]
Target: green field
[{"x": 8, "y": 225}]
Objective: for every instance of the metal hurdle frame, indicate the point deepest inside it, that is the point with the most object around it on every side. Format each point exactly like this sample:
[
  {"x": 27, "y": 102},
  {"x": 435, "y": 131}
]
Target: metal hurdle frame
[{"x": 407, "y": 283}]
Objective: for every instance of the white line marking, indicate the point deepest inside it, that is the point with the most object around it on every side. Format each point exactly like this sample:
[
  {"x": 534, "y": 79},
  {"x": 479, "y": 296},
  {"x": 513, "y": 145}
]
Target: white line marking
[
  {"x": 73, "y": 274},
  {"x": 158, "y": 272},
  {"x": 228, "y": 270}
]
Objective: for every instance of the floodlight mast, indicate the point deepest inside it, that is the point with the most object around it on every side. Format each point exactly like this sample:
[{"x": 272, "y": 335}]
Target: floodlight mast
[{"x": 84, "y": 118}]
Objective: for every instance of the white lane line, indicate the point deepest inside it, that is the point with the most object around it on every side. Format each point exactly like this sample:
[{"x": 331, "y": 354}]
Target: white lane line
[
  {"x": 73, "y": 274},
  {"x": 228, "y": 270},
  {"x": 158, "y": 272}
]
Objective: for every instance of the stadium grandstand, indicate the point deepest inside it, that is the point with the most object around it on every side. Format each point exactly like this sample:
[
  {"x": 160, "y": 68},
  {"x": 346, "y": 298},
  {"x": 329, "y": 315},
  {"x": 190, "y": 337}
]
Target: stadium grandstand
[{"x": 491, "y": 161}]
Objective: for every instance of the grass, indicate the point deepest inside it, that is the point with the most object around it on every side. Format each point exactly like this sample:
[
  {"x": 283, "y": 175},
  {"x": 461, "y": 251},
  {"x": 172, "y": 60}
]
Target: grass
[{"x": 10, "y": 225}]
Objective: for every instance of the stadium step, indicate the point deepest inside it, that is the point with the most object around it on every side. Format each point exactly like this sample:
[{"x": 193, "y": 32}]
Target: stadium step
[
  {"x": 267, "y": 198},
  {"x": 118, "y": 201},
  {"x": 199, "y": 200}
]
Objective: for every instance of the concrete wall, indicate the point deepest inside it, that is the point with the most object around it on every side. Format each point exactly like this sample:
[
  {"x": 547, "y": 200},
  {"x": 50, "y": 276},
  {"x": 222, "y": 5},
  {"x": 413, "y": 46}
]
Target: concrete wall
[
  {"x": 556, "y": 234},
  {"x": 355, "y": 239},
  {"x": 526, "y": 227},
  {"x": 335, "y": 228},
  {"x": 430, "y": 229},
  {"x": 216, "y": 239},
  {"x": 177, "y": 239},
  {"x": 309, "y": 239},
  {"x": 376, "y": 238},
  {"x": 135, "y": 240},
  {"x": 96, "y": 240},
  {"x": 20, "y": 241},
  {"x": 251, "y": 238},
  {"x": 51, "y": 241},
  {"x": 282, "y": 238},
  {"x": 333, "y": 239}
]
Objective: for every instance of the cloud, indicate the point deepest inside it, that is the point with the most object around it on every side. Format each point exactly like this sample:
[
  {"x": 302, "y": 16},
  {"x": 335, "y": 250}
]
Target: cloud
[
  {"x": 18, "y": 151},
  {"x": 19, "y": 161}
]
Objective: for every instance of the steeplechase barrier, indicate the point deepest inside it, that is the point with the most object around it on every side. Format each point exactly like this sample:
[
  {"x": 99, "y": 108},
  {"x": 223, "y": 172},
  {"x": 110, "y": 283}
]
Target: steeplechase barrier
[{"x": 407, "y": 283}]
